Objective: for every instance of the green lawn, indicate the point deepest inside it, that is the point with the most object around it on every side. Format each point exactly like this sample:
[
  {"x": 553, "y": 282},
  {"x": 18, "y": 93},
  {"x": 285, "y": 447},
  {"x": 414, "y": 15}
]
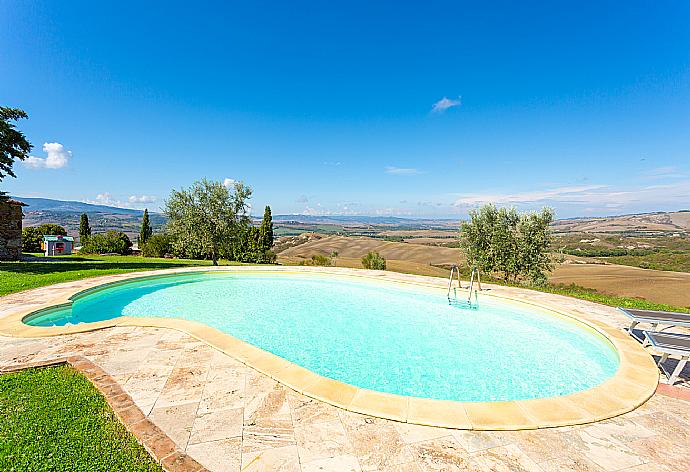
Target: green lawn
[
  {"x": 53, "y": 418},
  {"x": 18, "y": 276}
]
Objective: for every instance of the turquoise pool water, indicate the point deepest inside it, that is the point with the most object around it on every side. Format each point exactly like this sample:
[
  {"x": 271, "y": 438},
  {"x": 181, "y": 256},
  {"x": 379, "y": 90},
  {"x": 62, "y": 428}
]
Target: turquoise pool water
[{"x": 382, "y": 336}]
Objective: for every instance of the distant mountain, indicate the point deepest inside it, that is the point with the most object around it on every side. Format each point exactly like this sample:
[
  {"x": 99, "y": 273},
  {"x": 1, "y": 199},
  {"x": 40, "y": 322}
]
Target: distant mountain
[
  {"x": 101, "y": 217},
  {"x": 62, "y": 206},
  {"x": 360, "y": 219}
]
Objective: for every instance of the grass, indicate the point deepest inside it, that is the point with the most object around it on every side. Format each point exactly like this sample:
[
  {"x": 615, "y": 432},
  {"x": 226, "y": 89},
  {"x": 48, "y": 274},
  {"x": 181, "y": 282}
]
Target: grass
[
  {"x": 676, "y": 261},
  {"x": 592, "y": 295},
  {"x": 24, "y": 275},
  {"x": 53, "y": 418}
]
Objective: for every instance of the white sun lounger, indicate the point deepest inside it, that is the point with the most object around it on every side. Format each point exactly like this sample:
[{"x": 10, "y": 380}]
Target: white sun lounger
[
  {"x": 670, "y": 344},
  {"x": 655, "y": 318}
]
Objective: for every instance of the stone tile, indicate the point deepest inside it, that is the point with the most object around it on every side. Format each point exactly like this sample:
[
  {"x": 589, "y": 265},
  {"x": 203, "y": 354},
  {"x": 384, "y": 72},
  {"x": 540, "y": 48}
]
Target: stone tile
[
  {"x": 321, "y": 441},
  {"x": 659, "y": 451},
  {"x": 441, "y": 454},
  {"x": 218, "y": 456},
  {"x": 266, "y": 402},
  {"x": 376, "y": 443},
  {"x": 267, "y": 436},
  {"x": 225, "y": 388},
  {"x": 412, "y": 433},
  {"x": 570, "y": 463},
  {"x": 216, "y": 425},
  {"x": 504, "y": 458},
  {"x": 282, "y": 459},
  {"x": 343, "y": 463},
  {"x": 474, "y": 441},
  {"x": 605, "y": 451},
  {"x": 622, "y": 429},
  {"x": 176, "y": 421},
  {"x": 184, "y": 385},
  {"x": 666, "y": 425},
  {"x": 540, "y": 445},
  {"x": 307, "y": 410}
]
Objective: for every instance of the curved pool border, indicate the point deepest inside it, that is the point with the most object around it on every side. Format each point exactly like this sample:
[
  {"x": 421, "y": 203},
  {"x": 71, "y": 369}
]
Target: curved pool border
[{"x": 632, "y": 385}]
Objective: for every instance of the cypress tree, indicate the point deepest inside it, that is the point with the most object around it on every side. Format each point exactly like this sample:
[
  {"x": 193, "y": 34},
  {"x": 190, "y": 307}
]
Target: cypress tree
[
  {"x": 84, "y": 228},
  {"x": 266, "y": 230},
  {"x": 146, "y": 230}
]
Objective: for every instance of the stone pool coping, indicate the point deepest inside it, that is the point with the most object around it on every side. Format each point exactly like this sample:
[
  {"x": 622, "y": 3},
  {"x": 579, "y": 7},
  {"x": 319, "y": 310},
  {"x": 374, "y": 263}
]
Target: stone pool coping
[
  {"x": 634, "y": 382},
  {"x": 151, "y": 437}
]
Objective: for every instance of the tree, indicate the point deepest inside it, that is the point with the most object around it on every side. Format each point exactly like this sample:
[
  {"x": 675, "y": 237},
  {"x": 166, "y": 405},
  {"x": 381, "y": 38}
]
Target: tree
[
  {"x": 13, "y": 143},
  {"x": 84, "y": 228},
  {"x": 266, "y": 230},
  {"x": 502, "y": 240},
  {"x": 334, "y": 256},
  {"x": 52, "y": 229},
  {"x": 374, "y": 260},
  {"x": 206, "y": 219},
  {"x": 535, "y": 239},
  {"x": 146, "y": 230}
]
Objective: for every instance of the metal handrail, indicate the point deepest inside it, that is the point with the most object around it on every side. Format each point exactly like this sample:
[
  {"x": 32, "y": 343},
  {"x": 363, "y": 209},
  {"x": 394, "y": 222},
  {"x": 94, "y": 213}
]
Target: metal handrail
[
  {"x": 475, "y": 271},
  {"x": 453, "y": 269}
]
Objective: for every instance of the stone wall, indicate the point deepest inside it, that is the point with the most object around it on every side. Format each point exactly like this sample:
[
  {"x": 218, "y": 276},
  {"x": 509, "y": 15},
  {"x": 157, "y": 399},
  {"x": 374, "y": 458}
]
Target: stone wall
[{"x": 10, "y": 230}]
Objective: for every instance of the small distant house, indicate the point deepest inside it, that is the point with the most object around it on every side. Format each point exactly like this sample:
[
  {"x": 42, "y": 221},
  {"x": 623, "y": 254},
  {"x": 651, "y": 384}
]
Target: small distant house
[
  {"x": 10, "y": 229},
  {"x": 57, "y": 245}
]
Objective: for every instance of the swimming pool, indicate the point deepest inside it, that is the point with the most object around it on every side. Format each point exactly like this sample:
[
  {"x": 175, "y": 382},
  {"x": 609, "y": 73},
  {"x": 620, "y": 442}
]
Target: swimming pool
[{"x": 388, "y": 337}]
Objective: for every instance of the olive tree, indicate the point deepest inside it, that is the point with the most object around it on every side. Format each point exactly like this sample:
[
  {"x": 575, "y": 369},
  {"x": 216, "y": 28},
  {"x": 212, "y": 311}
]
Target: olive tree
[
  {"x": 206, "y": 219},
  {"x": 512, "y": 244}
]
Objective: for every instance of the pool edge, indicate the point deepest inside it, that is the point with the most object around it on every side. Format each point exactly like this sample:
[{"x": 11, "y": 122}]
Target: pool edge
[{"x": 632, "y": 385}]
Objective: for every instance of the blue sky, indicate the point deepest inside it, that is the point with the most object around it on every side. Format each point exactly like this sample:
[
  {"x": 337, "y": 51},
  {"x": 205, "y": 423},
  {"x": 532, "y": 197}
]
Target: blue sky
[{"x": 378, "y": 108}]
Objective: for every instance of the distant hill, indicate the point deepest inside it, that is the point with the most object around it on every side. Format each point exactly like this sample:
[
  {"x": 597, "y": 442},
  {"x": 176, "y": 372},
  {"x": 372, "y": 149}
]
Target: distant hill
[
  {"x": 101, "y": 217},
  {"x": 643, "y": 223},
  {"x": 63, "y": 206}
]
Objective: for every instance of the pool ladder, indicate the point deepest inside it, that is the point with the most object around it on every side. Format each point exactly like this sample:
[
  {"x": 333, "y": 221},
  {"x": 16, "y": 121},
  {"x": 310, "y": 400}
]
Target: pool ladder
[{"x": 454, "y": 270}]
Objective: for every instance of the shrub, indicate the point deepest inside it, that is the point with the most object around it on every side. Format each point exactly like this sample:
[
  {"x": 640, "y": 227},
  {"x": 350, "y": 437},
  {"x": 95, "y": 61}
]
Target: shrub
[
  {"x": 317, "y": 260},
  {"x": 157, "y": 245},
  {"x": 31, "y": 239},
  {"x": 374, "y": 260},
  {"x": 111, "y": 242}
]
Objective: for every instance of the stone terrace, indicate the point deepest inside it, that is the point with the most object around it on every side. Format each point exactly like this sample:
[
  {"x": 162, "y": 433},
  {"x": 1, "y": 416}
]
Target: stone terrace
[{"x": 229, "y": 417}]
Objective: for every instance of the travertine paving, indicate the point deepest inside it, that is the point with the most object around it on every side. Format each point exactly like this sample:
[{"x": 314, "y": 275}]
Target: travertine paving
[{"x": 230, "y": 417}]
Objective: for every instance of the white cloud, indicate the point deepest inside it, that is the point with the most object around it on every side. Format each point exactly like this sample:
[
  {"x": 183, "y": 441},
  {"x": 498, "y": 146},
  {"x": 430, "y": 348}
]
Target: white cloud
[
  {"x": 57, "y": 157},
  {"x": 105, "y": 199},
  {"x": 229, "y": 182},
  {"x": 142, "y": 198},
  {"x": 446, "y": 103},
  {"x": 553, "y": 194},
  {"x": 592, "y": 196},
  {"x": 401, "y": 170}
]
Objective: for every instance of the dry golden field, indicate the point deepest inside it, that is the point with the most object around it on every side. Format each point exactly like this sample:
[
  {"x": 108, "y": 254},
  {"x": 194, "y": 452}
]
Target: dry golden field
[
  {"x": 671, "y": 288},
  {"x": 356, "y": 247}
]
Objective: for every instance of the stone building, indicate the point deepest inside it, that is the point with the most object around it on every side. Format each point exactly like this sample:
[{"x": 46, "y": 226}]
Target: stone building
[{"x": 10, "y": 229}]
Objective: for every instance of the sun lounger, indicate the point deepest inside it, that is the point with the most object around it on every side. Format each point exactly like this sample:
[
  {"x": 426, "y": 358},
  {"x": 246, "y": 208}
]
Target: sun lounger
[
  {"x": 671, "y": 344},
  {"x": 655, "y": 318}
]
